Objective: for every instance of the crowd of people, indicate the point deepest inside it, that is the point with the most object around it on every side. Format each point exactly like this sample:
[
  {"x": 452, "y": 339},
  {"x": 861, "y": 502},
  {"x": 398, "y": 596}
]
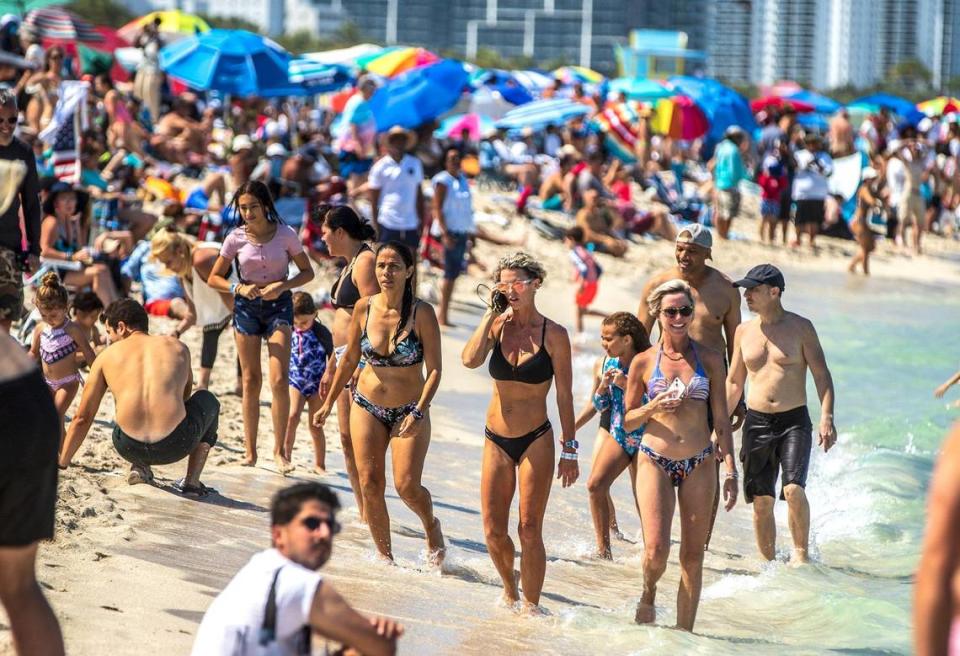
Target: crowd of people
[{"x": 219, "y": 215}]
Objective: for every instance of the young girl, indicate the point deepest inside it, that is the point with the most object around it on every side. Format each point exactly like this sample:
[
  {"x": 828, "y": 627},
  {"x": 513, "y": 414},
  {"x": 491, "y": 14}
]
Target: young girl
[
  {"x": 622, "y": 336},
  {"x": 55, "y": 340},
  {"x": 310, "y": 347},
  {"x": 86, "y": 308}
]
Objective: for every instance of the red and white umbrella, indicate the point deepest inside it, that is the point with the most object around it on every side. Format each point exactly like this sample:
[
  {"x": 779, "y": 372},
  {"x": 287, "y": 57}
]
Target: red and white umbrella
[{"x": 59, "y": 24}]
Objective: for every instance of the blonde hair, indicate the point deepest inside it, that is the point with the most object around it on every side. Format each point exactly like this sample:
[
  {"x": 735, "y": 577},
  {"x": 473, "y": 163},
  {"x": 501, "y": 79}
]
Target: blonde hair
[
  {"x": 172, "y": 244},
  {"x": 523, "y": 262},
  {"x": 51, "y": 293},
  {"x": 675, "y": 286}
]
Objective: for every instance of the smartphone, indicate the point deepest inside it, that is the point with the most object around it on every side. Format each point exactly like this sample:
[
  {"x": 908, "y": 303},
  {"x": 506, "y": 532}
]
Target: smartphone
[{"x": 676, "y": 390}]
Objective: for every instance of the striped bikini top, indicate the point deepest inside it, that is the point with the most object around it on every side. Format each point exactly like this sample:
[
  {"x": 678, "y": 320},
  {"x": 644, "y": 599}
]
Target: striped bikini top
[{"x": 698, "y": 388}]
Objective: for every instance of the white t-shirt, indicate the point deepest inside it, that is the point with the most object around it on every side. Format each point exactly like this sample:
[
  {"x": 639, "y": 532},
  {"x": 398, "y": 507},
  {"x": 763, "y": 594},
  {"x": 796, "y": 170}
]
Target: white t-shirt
[
  {"x": 896, "y": 180},
  {"x": 231, "y": 626},
  {"x": 458, "y": 203},
  {"x": 810, "y": 180},
  {"x": 398, "y": 183}
]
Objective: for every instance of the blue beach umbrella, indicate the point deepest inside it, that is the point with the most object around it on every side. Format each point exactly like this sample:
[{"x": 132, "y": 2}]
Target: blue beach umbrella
[
  {"x": 318, "y": 77},
  {"x": 640, "y": 89},
  {"x": 420, "y": 95},
  {"x": 541, "y": 113},
  {"x": 821, "y": 104},
  {"x": 722, "y": 106},
  {"x": 234, "y": 62},
  {"x": 901, "y": 106}
]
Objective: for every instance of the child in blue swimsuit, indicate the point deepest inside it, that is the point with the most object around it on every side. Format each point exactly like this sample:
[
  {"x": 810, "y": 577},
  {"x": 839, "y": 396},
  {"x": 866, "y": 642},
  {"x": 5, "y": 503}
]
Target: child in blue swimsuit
[{"x": 310, "y": 346}]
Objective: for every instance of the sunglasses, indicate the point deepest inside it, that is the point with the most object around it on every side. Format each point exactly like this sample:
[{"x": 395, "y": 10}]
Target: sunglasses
[
  {"x": 684, "y": 311},
  {"x": 517, "y": 285},
  {"x": 312, "y": 523},
  {"x": 9, "y": 121}
]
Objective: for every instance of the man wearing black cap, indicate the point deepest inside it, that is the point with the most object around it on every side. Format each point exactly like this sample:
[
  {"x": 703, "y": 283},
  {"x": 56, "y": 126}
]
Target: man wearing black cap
[{"x": 775, "y": 350}]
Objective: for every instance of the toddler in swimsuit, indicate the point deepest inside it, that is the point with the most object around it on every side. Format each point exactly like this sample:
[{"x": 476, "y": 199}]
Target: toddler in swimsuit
[
  {"x": 56, "y": 339},
  {"x": 310, "y": 346}
]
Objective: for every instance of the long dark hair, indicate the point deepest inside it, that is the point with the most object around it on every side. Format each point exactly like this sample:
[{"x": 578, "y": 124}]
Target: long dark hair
[
  {"x": 410, "y": 284},
  {"x": 344, "y": 216},
  {"x": 260, "y": 191}
]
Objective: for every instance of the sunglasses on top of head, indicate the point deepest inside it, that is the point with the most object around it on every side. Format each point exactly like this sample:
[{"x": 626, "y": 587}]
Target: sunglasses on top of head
[{"x": 684, "y": 311}]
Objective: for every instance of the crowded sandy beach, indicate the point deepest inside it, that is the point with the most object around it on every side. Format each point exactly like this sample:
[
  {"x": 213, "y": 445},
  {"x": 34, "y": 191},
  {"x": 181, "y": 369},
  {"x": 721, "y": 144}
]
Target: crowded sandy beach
[{"x": 291, "y": 368}]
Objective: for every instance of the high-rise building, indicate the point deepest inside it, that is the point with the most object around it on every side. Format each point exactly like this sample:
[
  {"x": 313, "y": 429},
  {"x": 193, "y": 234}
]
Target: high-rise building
[{"x": 729, "y": 46}]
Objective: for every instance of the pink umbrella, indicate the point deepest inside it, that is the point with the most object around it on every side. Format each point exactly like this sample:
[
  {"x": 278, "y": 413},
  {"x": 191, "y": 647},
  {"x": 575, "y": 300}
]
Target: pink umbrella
[{"x": 470, "y": 122}]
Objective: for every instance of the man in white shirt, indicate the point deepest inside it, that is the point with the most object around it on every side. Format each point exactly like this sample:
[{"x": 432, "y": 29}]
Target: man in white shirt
[
  {"x": 810, "y": 187},
  {"x": 278, "y": 600},
  {"x": 396, "y": 199}
]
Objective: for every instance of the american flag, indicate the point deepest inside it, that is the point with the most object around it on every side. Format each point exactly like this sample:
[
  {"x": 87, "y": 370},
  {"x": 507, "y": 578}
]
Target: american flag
[{"x": 66, "y": 152}]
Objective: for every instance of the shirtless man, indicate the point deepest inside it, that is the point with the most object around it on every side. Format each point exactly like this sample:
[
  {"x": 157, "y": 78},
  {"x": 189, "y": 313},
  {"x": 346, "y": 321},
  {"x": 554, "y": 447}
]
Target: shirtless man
[
  {"x": 158, "y": 422},
  {"x": 775, "y": 350}
]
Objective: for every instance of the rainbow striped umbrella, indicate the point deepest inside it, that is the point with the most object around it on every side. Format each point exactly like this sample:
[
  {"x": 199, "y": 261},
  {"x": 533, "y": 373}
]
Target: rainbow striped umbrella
[
  {"x": 578, "y": 75},
  {"x": 174, "y": 24},
  {"x": 939, "y": 106},
  {"x": 679, "y": 118},
  {"x": 59, "y": 24},
  {"x": 395, "y": 62},
  {"x": 619, "y": 126}
]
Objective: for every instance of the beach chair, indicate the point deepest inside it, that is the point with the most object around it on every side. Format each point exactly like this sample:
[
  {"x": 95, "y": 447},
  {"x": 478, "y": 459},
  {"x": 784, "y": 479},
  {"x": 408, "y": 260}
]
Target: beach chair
[{"x": 685, "y": 208}]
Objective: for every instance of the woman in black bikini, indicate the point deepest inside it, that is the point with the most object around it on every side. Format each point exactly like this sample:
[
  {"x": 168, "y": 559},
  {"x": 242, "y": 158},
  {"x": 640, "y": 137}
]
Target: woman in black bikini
[
  {"x": 675, "y": 462},
  {"x": 398, "y": 336},
  {"x": 346, "y": 236},
  {"x": 529, "y": 352}
]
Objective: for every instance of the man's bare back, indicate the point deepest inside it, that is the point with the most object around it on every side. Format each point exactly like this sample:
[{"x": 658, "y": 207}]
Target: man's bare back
[
  {"x": 774, "y": 355},
  {"x": 717, "y": 306},
  {"x": 150, "y": 377}
]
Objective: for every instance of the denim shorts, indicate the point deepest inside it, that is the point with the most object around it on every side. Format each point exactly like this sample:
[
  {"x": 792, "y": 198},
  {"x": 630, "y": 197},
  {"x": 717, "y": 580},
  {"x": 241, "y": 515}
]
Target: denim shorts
[
  {"x": 259, "y": 317},
  {"x": 453, "y": 257},
  {"x": 410, "y": 238}
]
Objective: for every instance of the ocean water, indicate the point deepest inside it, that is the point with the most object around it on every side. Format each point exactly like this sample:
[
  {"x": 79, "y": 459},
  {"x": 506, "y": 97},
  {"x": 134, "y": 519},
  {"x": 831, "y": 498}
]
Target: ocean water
[{"x": 888, "y": 345}]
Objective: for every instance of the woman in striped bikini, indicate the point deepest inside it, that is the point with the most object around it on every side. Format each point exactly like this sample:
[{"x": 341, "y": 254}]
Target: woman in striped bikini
[{"x": 679, "y": 377}]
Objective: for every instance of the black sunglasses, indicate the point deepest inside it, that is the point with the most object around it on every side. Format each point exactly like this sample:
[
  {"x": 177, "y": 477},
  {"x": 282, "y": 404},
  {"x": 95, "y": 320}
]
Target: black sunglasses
[
  {"x": 684, "y": 311},
  {"x": 10, "y": 121},
  {"x": 313, "y": 523}
]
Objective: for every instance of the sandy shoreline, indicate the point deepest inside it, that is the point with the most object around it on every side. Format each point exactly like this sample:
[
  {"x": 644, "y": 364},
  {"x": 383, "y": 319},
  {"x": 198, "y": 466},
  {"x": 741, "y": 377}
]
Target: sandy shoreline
[{"x": 133, "y": 568}]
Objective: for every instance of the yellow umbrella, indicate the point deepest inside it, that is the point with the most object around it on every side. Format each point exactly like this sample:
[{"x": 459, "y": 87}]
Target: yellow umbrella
[
  {"x": 174, "y": 24},
  {"x": 395, "y": 62}
]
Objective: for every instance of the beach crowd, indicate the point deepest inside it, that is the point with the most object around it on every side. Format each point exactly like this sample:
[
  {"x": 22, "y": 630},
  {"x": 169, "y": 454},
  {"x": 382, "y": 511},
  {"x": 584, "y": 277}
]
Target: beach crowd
[{"x": 210, "y": 215}]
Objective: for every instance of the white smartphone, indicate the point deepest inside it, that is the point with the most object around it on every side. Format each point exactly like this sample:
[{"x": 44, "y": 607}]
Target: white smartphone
[{"x": 676, "y": 390}]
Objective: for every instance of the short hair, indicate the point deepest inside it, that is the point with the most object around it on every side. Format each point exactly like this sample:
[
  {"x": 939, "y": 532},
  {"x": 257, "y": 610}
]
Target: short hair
[
  {"x": 675, "y": 286},
  {"x": 8, "y": 98},
  {"x": 626, "y": 323},
  {"x": 287, "y": 502},
  {"x": 575, "y": 233},
  {"x": 521, "y": 261},
  {"x": 86, "y": 301},
  {"x": 303, "y": 303},
  {"x": 129, "y": 312}
]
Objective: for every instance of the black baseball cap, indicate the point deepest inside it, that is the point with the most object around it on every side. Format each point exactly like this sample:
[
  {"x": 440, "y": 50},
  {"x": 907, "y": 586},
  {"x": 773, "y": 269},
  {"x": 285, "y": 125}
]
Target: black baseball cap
[{"x": 762, "y": 274}]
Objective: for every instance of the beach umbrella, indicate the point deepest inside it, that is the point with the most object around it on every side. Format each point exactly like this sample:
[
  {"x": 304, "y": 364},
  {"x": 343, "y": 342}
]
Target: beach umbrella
[
  {"x": 476, "y": 125},
  {"x": 541, "y": 113},
  {"x": 723, "y": 107},
  {"x": 513, "y": 93},
  {"x": 578, "y": 75},
  {"x": 820, "y": 103},
  {"x": 419, "y": 96},
  {"x": 21, "y": 7},
  {"x": 174, "y": 25},
  {"x": 619, "y": 125},
  {"x": 814, "y": 121},
  {"x": 344, "y": 56},
  {"x": 679, "y": 117},
  {"x": 234, "y": 62},
  {"x": 780, "y": 103},
  {"x": 939, "y": 106},
  {"x": 640, "y": 89},
  {"x": 900, "y": 106},
  {"x": 59, "y": 24},
  {"x": 485, "y": 101},
  {"x": 395, "y": 62},
  {"x": 318, "y": 77}
]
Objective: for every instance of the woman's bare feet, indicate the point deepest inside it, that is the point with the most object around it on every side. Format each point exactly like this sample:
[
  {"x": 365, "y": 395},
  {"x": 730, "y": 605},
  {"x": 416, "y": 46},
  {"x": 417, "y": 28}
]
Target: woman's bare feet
[
  {"x": 284, "y": 466},
  {"x": 436, "y": 549},
  {"x": 249, "y": 461},
  {"x": 319, "y": 470}
]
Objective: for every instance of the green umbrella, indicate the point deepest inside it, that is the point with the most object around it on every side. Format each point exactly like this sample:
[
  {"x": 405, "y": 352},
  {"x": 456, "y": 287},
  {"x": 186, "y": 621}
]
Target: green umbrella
[
  {"x": 21, "y": 7},
  {"x": 93, "y": 61}
]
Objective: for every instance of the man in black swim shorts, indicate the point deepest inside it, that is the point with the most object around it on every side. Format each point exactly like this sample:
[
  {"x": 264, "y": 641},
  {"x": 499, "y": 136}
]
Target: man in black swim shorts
[
  {"x": 774, "y": 350},
  {"x": 158, "y": 422}
]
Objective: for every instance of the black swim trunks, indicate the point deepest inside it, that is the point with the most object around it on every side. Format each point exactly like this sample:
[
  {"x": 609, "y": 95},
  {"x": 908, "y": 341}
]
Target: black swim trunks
[
  {"x": 200, "y": 425},
  {"x": 29, "y": 440},
  {"x": 773, "y": 444}
]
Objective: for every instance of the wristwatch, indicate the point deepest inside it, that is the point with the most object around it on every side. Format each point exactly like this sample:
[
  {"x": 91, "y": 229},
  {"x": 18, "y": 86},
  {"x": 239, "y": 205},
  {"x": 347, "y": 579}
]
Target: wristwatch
[{"x": 571, "y": 444}]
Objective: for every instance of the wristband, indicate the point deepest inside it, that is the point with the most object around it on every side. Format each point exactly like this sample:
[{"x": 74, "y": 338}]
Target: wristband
[
  {"x": 566, "y": 455},
  {"x": 735, "y": 475},
  {"x": 234, "y": 286}
]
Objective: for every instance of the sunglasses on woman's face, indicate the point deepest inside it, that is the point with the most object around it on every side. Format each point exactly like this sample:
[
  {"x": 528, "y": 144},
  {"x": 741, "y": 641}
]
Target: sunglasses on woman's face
[
  {"x": 9, "y": 121},
  {"x": 684, "y": 311},
  {"x": 517, "y": 285}
]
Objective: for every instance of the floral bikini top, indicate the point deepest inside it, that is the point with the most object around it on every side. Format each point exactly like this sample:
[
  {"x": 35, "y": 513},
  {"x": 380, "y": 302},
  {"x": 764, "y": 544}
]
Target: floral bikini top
[{"x": 407, "y": 352}]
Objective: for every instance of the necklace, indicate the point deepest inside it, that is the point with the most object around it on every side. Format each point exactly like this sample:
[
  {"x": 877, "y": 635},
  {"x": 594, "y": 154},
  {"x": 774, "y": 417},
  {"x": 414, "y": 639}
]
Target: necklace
[{"x": 679, "y": 357}]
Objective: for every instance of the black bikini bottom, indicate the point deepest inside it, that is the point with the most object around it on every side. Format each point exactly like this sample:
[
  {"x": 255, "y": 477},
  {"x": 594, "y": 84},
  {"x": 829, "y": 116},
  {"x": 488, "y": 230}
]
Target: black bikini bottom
[{"x": 515, "y": 447}]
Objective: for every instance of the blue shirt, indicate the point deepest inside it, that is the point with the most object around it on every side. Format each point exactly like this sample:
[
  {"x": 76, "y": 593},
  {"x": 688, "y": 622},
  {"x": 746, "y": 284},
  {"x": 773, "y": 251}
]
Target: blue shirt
[
  {"x": 728, "y": 170},
  {"x": 157, "y": 283}
]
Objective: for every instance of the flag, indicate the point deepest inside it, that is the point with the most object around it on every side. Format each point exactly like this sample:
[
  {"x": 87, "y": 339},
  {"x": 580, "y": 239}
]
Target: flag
[{"x": 63, "y": 132}]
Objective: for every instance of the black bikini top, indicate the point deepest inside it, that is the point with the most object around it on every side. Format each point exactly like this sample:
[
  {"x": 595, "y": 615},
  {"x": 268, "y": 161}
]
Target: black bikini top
[
  {"x": 344, "y": 293},
  {"x": 535, "y": 370}
]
